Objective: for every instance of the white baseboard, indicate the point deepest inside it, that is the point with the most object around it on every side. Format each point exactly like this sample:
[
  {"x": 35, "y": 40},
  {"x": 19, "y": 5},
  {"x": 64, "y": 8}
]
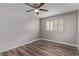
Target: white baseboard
[
  {"x": 19, "y": 44},
  {"x": 60, "y": 42}
]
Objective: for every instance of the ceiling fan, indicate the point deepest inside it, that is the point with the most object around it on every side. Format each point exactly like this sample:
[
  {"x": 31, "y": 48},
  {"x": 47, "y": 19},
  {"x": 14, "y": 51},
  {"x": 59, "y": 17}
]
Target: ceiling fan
[{"x": 36, "y": 7}]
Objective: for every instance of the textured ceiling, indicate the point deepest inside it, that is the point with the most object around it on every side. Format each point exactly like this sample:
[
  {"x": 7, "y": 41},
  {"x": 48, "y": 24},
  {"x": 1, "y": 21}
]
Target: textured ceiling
[{"x": 53, "y": 8}]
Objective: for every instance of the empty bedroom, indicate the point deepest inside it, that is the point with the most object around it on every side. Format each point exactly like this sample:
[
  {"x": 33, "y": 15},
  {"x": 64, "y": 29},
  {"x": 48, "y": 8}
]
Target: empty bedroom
[{"x": 39, "y": 29}]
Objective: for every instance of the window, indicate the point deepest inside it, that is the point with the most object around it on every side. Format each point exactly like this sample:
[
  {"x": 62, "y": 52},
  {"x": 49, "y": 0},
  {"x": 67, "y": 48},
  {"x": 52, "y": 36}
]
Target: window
[
  {"x": 54, "y": 25},
  {"x": 60, "y": 25},
  {"x": 51, "y": 26},
  {"x": 47, "y": 26}
]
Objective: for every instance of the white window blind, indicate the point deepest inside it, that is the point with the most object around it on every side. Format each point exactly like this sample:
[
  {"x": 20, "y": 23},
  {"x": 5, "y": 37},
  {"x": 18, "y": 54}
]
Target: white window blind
[
  {"x": 60, "y": 25},
  {"x": 54, "y": 25},
  {"x": 51, "y": 26},
  {"x": 47, "y": 26}
]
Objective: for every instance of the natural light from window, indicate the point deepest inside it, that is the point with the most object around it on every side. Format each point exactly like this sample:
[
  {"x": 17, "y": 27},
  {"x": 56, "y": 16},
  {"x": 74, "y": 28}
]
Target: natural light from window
[{"x": 54, "y": 25}]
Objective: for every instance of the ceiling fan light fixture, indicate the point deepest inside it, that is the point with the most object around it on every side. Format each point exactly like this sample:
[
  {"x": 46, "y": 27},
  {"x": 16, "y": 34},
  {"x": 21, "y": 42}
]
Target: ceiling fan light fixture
[{"x": 36, "y": 10}]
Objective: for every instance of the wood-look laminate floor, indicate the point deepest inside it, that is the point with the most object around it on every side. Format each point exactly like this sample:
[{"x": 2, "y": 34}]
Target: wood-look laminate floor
[{"x": 42, "y": 48}]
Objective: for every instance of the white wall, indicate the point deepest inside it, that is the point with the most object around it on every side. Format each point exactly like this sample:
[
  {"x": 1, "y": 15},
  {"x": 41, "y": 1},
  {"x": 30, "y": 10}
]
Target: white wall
[
  {"x": 16, "y": 29},
  {"x": 70, "y": 33}
]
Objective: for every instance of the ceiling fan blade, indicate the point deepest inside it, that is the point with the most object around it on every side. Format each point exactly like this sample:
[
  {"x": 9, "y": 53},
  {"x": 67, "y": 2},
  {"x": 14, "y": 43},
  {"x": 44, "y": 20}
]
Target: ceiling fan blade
[
  {"x": 29, "y": 5},
  {"x": 43, "y": 10},
  {"x": 35, "y": 5},
  {"x": 29, "y": 10},
  {"x": 41, "y": 4}
]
